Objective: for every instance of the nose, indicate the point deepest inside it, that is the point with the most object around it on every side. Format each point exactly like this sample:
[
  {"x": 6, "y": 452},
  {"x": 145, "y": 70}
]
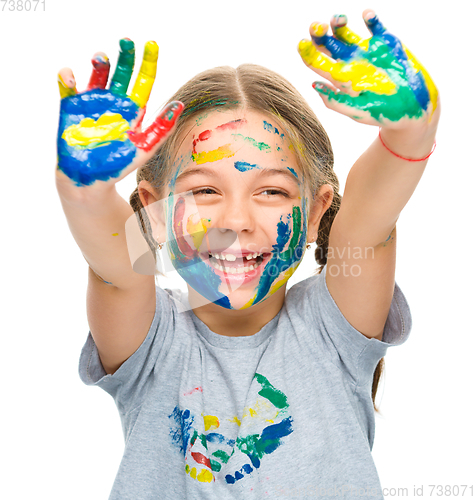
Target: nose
[{"x": 236, "y": 215}]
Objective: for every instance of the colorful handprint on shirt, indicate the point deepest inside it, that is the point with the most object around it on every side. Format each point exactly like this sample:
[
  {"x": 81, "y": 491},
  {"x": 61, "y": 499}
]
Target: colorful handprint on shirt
[
  {"x": 262, "y": 428},
  {"x": 377, "y": 81}
]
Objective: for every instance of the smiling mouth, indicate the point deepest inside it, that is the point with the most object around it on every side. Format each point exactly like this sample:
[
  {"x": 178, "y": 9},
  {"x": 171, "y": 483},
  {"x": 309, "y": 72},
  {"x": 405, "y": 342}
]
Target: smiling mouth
[{"x": 232, "y": 264}]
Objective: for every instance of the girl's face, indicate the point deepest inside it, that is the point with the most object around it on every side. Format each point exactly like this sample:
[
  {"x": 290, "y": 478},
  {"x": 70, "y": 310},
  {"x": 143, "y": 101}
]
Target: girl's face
[{"x": 236, "y": 212}]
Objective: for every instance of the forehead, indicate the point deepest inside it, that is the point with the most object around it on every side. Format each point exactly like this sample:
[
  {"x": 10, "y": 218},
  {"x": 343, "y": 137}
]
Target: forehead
[{"x": 240, "y": 130}]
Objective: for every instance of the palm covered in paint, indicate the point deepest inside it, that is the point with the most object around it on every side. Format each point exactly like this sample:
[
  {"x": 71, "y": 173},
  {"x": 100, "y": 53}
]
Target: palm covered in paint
[
  {"x": 376, "y": 81},
  {"x": 99, "y": 133}
]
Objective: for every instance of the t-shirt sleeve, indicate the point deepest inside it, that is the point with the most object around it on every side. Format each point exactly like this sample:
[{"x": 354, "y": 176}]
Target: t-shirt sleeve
[
  {"x": 128, "y": 384},
  {"x": 354, "y": 352}
]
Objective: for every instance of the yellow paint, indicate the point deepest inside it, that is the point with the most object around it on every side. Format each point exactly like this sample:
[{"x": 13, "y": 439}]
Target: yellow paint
[
  {"x": 214, "y": 155},
  {"x": 65, "y": 91},
  {"x": 252, "y": 412},
  {"x": 348, "y": 36},
  {"x": 145, "y": 79},
  {"x": 235, "y": 420},
  {"x": 107, "y": 128},
  {"x": 197, "y": 231},
  {"x": 280, "y": 281},
  {"x": 204, "y": 476},
  {"x": 115, "y": 234},
  {"x": 417, "y": 66},
  {"x": 361, "y": 74},
  {"x": 250, "y": 302},
  {"x": 211, "y": 422}
]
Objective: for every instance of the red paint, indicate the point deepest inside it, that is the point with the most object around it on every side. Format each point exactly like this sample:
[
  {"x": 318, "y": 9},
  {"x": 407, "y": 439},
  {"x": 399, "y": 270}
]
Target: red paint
[
  {"x": 179, "y": 212},
  {"x": 201, "y": 137},
  {"x": 201, "y": 459},
  {"x": 196, "y": 389},
  {"x": 231, "y": 125},
  {"x": 159, "y": 129},
  {"x": 100, "y": 73}
]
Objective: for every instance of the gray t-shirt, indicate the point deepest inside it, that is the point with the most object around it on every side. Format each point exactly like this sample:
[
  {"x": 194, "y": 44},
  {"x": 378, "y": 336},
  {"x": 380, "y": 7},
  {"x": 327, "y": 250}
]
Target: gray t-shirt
[{"x": 286, "y": 412}]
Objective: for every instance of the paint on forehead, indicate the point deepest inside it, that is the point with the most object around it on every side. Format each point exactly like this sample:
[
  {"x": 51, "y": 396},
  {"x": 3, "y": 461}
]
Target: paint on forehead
[
  {"x": 270, "y": 128},
  {"x": 232, "y": 125},
  {"x": 213, "y": 155},
  {"x": 262, "y": 146},
  {"x": 244, "y": 166},
  {"x": 201, "y": 137}
]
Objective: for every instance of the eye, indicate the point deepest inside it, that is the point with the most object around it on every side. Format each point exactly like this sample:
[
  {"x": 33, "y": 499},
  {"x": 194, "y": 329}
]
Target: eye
[
  {"x": 205, "y": 191},
  {"x": 274, "y": 192}
]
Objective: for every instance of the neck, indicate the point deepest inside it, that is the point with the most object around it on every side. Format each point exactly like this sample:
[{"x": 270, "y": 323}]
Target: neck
[{"x": 242, "y": 322}]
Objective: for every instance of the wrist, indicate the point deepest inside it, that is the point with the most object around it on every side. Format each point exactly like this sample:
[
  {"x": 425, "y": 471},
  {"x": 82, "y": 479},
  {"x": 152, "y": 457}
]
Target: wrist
[{"x": 408, "y": 144}]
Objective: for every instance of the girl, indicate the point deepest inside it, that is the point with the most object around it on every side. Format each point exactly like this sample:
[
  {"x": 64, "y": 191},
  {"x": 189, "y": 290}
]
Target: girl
[{"x": 241, "y": 390}]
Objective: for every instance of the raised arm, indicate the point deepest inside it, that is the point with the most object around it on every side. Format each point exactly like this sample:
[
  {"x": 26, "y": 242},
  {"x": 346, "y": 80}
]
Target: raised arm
[
  {"x": 378, "y": 82},
  {"x": 100, "y": 141}
]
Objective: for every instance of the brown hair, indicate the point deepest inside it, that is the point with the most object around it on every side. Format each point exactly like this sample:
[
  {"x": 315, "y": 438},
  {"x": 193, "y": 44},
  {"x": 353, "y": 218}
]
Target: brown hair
[{"x": 252, "y": 87}]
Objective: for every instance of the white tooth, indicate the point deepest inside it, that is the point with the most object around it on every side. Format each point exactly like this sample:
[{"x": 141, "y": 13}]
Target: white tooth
[
  {"x": 255, "y": 255},
  {"x": 246, "y": 269},
  {"x": 255, "y": 266},
  {"x": 230, "y": 257},
  {"x": 217, "y": 256},
  {"x": 222, "y": 257},
  {"x": 249, "y": 256},
  {"x": 215, "y": 265}
]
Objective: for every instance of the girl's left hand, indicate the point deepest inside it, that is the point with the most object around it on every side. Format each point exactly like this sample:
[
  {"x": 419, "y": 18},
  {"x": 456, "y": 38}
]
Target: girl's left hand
[{"x": 376, "y": 81}]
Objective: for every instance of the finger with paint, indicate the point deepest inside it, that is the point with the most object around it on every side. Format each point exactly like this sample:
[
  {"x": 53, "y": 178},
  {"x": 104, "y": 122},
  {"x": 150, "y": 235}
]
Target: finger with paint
[
  {"x": 375, "y": 81},
  {"x": 125, "y": 67},
  {"x": 99, "y": 135},
  {"x": 100, "y": 72}
]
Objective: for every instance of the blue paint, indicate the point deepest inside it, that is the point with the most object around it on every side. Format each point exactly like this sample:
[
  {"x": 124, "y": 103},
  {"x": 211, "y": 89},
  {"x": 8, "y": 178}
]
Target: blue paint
[
  {"x": 191, "y": 268},
  {"x": 281, "y": 261},
  {"x": 284, "y": 233},
  {"x": 215, "y": 437},
  {"x": 85, "y": 165},
  {"x": 180, "y": 430},
  {"x": 337, "y": 49},
  {"x": 344, "y": 52},
  {"x": 270, "y": 128},
  {"x": 244, "y": 166},
  {"x": 246, "y": 469},
  {"x": 293, "y": 172}
]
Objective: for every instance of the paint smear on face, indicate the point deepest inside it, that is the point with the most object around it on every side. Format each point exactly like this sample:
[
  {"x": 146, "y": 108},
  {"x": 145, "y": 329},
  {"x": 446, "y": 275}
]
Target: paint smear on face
[
  {"x": 262, "y": 146},
  {"x": 231, "y": 125},
  {"x": 244, "y": 166},
  {"x": 214, "y": 155},
  {"x": 270, "y": 128}
]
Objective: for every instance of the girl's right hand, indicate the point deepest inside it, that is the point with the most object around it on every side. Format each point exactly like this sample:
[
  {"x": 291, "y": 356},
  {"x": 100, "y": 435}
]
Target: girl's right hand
[{"x": 99, "y": 133}]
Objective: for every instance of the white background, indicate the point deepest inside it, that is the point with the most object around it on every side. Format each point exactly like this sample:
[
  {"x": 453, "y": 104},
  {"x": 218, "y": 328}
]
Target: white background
[{"x": 62, "y": 439}]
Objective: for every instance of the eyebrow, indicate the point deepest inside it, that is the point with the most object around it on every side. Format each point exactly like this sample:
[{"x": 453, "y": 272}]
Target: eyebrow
[{"x": 262, "y": 172}]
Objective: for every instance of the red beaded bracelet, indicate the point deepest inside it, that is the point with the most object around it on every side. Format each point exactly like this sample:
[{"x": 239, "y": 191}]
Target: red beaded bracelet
[{"x": 401, "y": 157}]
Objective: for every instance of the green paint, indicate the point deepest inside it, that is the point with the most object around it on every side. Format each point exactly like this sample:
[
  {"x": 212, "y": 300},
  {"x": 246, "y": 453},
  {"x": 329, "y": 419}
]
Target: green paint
[
  {"x": 260, "y": 145},
  {"x": 125, "y": 67},
  {"x": 222, "y": 455},
  {"x": 200, "y": 119},
  {"x": 268, "y": 391},
  {"x": 381, "y": 107},
  {"x": 297, "y": 218},
  {"x": 208, "y": 103},
  {"x": 216, "y": 466}
]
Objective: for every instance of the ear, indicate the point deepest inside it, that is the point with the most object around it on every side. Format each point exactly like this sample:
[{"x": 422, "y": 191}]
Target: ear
[
  {"x": 319, "y": 205},
  {"x": 153, "y": 205}
]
